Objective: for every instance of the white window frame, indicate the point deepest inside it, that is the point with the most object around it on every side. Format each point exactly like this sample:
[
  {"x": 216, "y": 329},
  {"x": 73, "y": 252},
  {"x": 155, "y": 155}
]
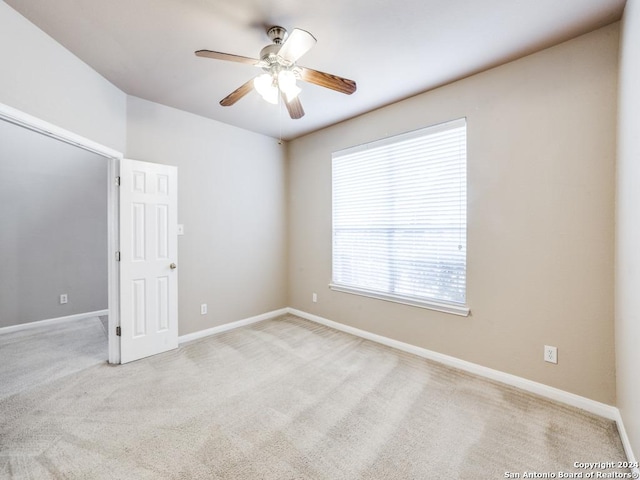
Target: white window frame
[{"x": 453, "y": 307}]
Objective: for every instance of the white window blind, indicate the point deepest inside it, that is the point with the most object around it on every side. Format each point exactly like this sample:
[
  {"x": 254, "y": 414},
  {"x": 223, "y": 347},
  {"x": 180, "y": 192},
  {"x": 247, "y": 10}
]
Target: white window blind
[{"x": 400, "y": 218}]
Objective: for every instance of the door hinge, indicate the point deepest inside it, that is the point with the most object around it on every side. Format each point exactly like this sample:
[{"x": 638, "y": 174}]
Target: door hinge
[
  {"x": 117, "y": 256},
  {"x": 118, "y": 331},
  {"x": 118, "y": 181}
]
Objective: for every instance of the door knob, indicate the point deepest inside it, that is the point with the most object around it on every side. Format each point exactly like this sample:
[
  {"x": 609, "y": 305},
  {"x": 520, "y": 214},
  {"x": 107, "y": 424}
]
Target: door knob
[{"x": 173, "y": 266}]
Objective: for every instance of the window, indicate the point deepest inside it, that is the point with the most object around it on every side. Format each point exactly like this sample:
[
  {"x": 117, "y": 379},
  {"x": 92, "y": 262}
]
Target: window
[{"x": 400, "y": 218}]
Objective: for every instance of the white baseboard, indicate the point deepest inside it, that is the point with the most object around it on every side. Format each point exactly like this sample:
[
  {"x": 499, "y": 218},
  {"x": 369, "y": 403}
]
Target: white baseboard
[
  {"x": 52, "y": 321},
  {"x": 607, "y": 411},
  {"x": 597, "y": 408},
  {"x": 230, "y": 326},
  {"x": 592, "y": 406},
  {"x": 626, "y": 443}
]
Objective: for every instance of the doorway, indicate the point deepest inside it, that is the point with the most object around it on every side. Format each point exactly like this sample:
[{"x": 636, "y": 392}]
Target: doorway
[{"x": 44, "y": 286}]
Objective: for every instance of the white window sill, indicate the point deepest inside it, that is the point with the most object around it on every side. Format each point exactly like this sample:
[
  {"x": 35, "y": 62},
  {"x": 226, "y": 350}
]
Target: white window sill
[{"x": 461, "y": 310}]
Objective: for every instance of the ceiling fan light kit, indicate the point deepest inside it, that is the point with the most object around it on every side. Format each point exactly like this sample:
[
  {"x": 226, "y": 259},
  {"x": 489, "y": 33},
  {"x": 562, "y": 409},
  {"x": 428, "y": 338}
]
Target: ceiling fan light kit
[
  {"x": 281, "y": 72},
  {"x": 271, "y": 85}
]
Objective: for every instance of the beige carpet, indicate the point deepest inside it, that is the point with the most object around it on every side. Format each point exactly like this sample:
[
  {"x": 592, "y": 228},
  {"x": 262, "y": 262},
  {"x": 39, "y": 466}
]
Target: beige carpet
[
  {"x": 289, "y": 399},
  {"x": 31, "y": 357}
]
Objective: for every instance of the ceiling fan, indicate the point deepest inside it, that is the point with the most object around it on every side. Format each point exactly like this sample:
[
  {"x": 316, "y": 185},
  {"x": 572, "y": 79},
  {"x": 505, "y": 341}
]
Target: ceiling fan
[{"x": 278, "y": 61}]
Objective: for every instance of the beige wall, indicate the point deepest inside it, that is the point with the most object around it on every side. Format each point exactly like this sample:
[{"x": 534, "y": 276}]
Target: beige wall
[
  {"x": 231, "y": 200},
  {"x": 541, "y": 162},
  {"x": 628, "y": 227}
]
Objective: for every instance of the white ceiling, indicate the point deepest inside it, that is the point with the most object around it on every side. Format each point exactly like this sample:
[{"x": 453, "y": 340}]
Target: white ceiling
[{"x": 392, "y": 49}]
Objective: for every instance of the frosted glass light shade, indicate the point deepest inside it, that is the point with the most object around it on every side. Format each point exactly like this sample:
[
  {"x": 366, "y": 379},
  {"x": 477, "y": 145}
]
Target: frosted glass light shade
[
  {"x": 265, "y": 87},
  {"x": 287, "y": 84}
]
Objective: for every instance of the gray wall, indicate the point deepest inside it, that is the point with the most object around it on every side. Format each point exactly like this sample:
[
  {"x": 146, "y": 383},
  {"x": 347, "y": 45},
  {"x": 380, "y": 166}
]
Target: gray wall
[
  {"x": 42, "y": 78},
  {"x": 53, "y": 209},
  {"x": 541, "y": 166},
  {"x": 232, "y": 187},
  {"x": 53, "y": 240},
  {"x": 232, "y": 183},
  {"x": 628, "y": 227}
]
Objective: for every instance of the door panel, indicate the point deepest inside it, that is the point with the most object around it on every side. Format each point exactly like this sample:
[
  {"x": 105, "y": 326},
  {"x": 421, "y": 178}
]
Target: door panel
[{"x": 148, "y": 257}]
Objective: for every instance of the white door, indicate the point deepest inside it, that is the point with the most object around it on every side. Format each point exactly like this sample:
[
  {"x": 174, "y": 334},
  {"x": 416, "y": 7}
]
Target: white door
[{"x": 148, "y": 259}]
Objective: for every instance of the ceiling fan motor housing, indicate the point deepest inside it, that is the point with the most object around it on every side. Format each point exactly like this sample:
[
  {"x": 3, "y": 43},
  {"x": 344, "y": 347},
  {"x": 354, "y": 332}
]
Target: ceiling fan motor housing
[
  {"x": 269, "y": 53},
  {"x": 277, "y": 34}
]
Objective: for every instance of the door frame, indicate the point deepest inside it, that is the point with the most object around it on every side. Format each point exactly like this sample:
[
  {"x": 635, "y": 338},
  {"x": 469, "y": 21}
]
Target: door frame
[{"x": 113, "y": 157}]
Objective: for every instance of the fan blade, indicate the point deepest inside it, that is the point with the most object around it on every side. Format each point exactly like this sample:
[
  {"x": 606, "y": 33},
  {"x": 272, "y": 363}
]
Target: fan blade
[
  {"x": 237, "y": 94},
  {"x": 227, "y": 56},
  {"x": 293, "y": 106},
  {"x": 296, "y": 45},
  {"x": 339, "y": 84}
]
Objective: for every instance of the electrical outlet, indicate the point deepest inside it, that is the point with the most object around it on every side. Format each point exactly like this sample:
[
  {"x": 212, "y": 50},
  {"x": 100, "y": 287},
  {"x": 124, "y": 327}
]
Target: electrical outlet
[
  {"x": 203, "y": 309},
  {"x": 63, "y": 299},
  {"x": 314, "y": 297},
  {"x": 550, "y": 354}
]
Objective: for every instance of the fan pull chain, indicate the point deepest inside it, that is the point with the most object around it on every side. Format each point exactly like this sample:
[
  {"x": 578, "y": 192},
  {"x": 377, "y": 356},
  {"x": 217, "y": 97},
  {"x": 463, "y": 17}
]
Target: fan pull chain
[{"x": 280, "y": 102}]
